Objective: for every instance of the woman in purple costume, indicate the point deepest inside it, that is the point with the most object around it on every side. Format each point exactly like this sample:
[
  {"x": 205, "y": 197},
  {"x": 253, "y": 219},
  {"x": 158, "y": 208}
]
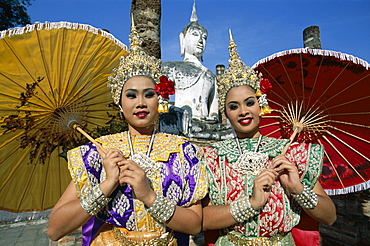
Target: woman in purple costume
[{"x": 139, "y": 186}]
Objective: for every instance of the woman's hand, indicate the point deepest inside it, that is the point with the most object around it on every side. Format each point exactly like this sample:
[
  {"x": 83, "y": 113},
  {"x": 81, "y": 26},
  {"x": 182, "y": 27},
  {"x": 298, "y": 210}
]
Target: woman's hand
[
  {"x": 111, "y": 160},
  {"x": 288, "y": 174},
  {"x": 132, "y": 174},
  {"x": 262, "y": 187}
]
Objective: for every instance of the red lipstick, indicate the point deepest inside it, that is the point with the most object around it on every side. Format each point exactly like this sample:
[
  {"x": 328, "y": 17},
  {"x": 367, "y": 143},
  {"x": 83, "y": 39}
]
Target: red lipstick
[
  {"x": 141, "y": 114},
  {"x": 245, "y": 121}
]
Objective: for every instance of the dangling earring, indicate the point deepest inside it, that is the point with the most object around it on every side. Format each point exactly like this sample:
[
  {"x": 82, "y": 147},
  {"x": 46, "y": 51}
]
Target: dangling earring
[
  {"x": 121, "y": 115},
  {"x": 262, "y": 113},
  {"x": 157, "y": 124},
  {"x": 264, "y": 105},
  {"x": 162, "y": 105}
]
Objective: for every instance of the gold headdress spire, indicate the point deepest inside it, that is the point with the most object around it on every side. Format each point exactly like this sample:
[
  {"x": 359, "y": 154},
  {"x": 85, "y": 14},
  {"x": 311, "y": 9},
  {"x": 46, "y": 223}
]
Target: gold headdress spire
[
  {"x": 237, "y": 74},
  {"x": 137, "y": 62}
]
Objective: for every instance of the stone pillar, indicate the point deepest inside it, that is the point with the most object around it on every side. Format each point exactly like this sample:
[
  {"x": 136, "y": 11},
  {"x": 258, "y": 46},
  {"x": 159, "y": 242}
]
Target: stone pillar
[
  {"x": 311, "y": 37},
  {"x": 147, "y": 18}
]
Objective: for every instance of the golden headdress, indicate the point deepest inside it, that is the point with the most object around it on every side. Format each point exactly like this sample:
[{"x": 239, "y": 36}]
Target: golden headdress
[
  {"x": 238, "y": 74},
  {"x": 137, "y": 62}
]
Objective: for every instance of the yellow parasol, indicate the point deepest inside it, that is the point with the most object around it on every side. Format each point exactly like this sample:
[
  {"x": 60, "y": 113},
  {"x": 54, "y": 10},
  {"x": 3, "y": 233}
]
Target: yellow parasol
[{"x": 50, "y": 74}]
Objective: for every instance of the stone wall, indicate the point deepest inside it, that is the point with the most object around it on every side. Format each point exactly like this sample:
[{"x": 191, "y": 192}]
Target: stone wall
[{"x": 353, "y": 221}]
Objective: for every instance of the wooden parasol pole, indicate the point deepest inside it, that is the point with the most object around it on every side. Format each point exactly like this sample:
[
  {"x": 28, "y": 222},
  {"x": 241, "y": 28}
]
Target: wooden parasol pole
[
  {"x": 298, "y": 127},
  {"x": 74, "y": 125}
]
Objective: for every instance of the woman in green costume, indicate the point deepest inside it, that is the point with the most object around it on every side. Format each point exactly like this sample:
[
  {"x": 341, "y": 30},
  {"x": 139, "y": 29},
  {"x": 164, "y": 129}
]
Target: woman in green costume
[{"x": 255, "y": 193}]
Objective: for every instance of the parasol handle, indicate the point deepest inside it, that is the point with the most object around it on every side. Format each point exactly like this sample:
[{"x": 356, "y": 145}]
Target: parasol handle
[
  {"x": 291, "y": 140},
  {"x": 298, "y": 127},
  {"x": 75, "y": 126}
]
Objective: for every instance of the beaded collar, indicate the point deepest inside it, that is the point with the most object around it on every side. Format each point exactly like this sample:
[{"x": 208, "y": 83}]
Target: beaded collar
[
  {"x": 163, "y": 144},
  {"x": 131, "y": 147},
  {"x": 229, "y": 148}
]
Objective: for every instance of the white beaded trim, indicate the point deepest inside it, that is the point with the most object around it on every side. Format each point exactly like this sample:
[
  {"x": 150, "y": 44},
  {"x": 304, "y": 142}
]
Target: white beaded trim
[
  {"x": 162, "y": 209},
  {"x": 95, "y": 201},
  {"x": 307, "y": 199},
  {"x": 241, "y": 209}
]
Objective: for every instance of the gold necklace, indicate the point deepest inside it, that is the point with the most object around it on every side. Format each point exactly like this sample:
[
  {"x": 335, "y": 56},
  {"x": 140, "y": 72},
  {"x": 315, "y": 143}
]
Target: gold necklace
[{"x": 142, "y": 160}]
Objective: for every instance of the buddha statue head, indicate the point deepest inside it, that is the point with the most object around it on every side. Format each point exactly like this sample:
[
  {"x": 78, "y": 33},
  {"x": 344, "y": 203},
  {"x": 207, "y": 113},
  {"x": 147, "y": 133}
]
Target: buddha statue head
[{"x": 193, "y": 38}]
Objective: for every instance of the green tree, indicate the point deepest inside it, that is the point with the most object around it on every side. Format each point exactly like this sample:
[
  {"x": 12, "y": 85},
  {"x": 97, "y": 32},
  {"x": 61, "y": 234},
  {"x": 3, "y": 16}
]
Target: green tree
[{"x": 14, "y": 13}]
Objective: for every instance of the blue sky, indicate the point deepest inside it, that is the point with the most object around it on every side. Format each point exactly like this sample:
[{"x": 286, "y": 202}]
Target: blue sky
[{"x": 260, "y": 28}]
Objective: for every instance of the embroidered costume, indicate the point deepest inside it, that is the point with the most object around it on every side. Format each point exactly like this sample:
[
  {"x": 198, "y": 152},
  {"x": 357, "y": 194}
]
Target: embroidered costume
[
  {"x": 176, "y": 173},
  {"x": 229, "y": 182}
]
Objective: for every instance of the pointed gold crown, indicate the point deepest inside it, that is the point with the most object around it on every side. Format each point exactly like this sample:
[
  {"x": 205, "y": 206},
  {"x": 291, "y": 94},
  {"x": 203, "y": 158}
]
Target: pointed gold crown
[
  {"x": 235, "y": 75},
  {"x": 137, "y": 62}
]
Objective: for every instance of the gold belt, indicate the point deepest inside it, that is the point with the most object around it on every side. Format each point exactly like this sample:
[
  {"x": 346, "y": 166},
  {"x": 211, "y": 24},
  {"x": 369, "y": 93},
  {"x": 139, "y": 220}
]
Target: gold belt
[
  {"x": 240, "y": 240},
  {"x": 248, "y": 241},
  {"x": 138, "y": 238}
]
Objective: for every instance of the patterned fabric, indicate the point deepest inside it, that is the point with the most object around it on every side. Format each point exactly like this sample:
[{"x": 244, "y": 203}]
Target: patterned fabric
[
  {"x": 178, "y": 175},
  {"x": 226, "y": 184}
]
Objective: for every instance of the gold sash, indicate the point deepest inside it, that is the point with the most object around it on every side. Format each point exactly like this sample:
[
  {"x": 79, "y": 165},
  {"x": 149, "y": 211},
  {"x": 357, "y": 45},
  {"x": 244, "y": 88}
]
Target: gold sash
[
  {"x": 280, "y": 239},
  {"x": 117, "y": 236}
]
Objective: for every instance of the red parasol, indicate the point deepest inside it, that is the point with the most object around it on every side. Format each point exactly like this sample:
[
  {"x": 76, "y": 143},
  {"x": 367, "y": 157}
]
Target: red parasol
[{"x": 325, "y": 93}]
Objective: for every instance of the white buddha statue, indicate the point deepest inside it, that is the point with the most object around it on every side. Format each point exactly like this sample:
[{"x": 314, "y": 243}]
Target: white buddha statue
[{"x": 195, "y": 84}]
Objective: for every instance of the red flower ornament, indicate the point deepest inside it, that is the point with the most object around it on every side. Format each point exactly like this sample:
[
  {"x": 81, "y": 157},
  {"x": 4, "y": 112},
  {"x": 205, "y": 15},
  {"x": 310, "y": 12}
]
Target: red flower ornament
[
  {"x": 165, "y": 87},
  {"x": 265, "y": 86}
]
